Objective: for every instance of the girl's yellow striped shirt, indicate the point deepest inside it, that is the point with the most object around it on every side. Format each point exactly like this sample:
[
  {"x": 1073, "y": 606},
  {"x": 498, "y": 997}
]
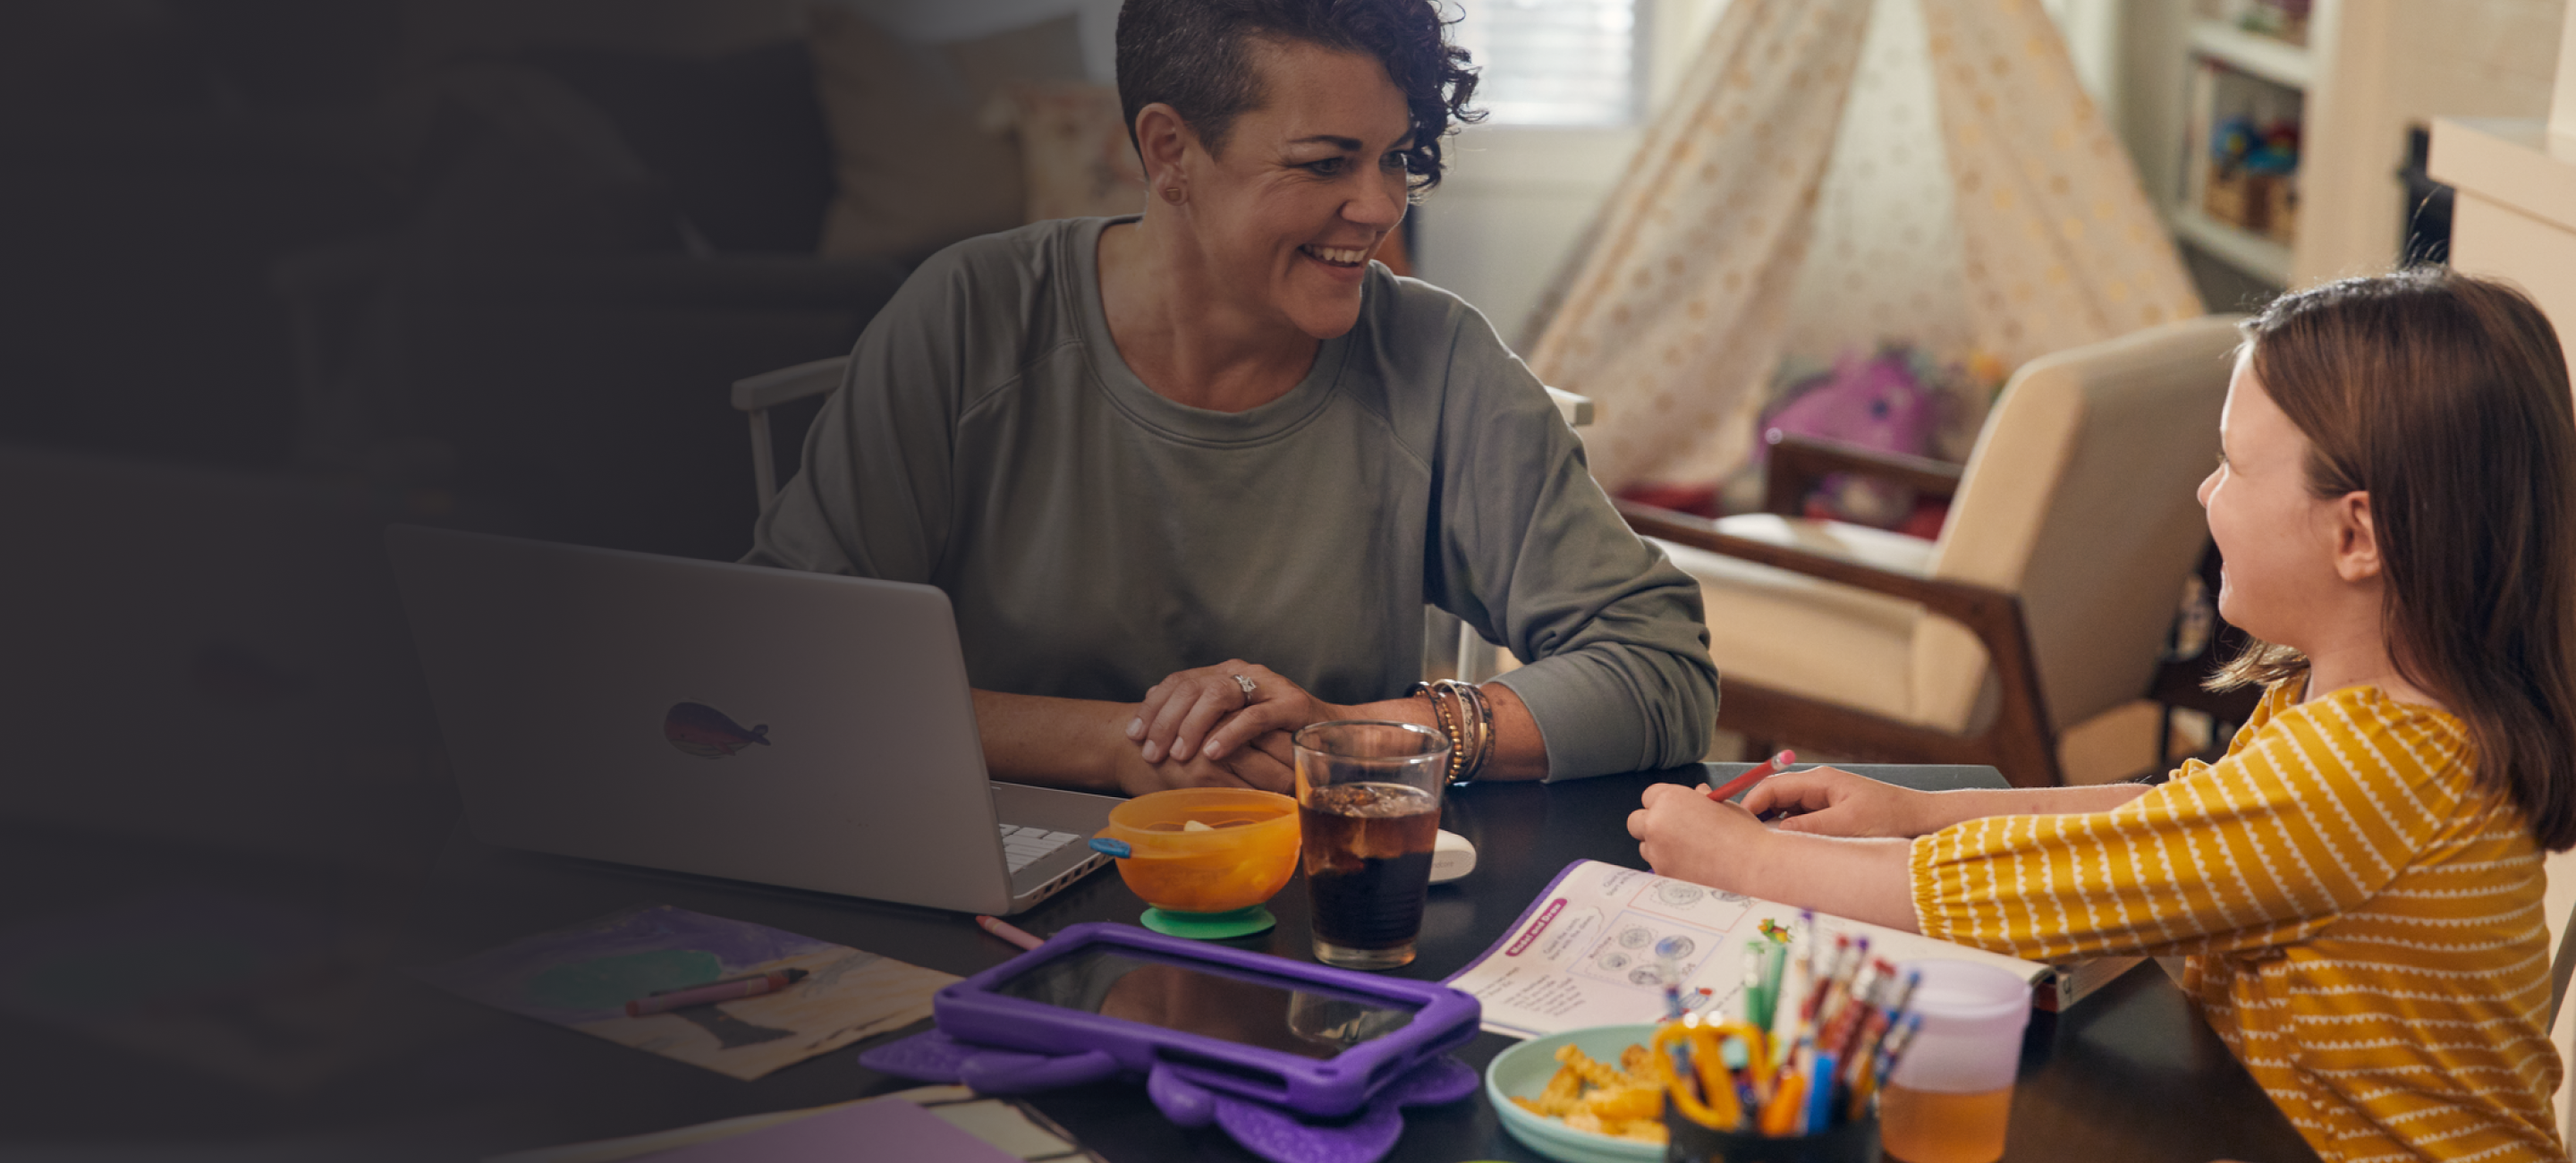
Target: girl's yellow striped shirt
[{"x": 2362, "y": 925}]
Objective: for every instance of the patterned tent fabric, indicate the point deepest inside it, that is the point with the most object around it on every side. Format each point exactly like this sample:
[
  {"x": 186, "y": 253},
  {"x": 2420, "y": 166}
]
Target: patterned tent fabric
[{"x": 1831, "y": 175}]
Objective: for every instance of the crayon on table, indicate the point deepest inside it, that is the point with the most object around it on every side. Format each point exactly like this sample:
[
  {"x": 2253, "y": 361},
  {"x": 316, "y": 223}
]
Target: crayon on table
[
  {"x": 1008, "y": 932},
  {"x": 740, "y": 987}
]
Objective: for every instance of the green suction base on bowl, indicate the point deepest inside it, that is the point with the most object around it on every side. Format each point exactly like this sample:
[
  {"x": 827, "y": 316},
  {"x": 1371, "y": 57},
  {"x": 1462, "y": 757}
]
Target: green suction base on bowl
[{"x": 1242, "y": 922}]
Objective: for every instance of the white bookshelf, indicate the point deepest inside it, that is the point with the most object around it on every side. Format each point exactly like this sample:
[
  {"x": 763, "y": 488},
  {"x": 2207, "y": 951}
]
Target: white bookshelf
[
  {"x": 2370, "y": 69},
  {"x": 2268, "y": 57},
  {"x": 2232, "y": 71},
  {"x": 2262, "y": 257},
  {"x": 2194, "y": 69}
]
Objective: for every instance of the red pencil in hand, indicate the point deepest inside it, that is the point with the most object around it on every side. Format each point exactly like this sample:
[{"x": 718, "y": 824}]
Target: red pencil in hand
[{"x": 1759, "y": 772}]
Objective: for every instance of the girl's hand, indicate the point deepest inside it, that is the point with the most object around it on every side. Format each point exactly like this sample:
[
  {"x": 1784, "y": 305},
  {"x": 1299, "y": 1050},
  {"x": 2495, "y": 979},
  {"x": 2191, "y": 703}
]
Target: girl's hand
[
  {"x": 1684, "y": 834},
  {"x": 1832, "y": 802},
  {"x": 1207, "y": 712}
]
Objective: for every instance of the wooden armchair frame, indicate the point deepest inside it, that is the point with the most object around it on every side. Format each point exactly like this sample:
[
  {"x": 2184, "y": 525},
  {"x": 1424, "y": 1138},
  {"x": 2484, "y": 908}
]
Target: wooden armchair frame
[{"x": 2018, "y": 741}]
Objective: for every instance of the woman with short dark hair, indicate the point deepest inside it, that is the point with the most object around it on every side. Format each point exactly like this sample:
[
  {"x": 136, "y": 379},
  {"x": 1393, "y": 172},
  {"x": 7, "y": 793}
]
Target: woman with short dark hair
[{"x": 1138, "y": 452}]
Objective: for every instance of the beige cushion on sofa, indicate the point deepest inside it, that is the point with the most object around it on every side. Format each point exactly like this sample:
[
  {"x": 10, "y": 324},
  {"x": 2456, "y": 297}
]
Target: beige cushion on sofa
[
  {"x": 912, "y": 169},
  {"x": 1047, "y": 52},
  {"x": 1074, "y": 149}
]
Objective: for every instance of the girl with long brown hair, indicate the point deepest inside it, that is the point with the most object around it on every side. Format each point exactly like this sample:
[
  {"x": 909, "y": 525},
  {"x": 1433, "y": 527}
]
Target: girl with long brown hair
[{"x": 2356, "y": 886}]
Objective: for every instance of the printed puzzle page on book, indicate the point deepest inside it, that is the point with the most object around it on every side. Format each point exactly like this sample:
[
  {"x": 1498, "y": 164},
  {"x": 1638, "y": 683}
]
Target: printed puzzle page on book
[{"x": 1592, "y": 950}]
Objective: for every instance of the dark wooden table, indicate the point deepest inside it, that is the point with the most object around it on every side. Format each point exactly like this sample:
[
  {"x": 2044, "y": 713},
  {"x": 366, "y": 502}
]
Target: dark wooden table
[{"x": 2132, "y": 1075}]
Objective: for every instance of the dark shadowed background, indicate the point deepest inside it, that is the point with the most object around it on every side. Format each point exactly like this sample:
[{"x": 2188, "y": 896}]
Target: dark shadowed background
[{"x": 275, "y": 273}]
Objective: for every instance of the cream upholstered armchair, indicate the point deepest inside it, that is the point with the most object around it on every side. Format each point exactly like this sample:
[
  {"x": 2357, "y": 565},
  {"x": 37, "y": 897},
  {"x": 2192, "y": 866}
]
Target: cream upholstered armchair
[{"x": 2045, "y": 601}]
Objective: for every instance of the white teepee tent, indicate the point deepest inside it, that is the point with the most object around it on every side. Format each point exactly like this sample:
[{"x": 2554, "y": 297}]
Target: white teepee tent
[{"x": 1833, "y": 174}]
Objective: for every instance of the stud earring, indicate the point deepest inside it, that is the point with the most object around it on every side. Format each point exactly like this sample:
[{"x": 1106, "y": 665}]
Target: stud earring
[{"x": 1174, "y": 194}]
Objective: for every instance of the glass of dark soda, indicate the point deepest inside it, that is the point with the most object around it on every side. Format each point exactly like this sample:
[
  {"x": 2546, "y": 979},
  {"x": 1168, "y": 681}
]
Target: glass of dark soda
[{"x": 1368, "y": 810}]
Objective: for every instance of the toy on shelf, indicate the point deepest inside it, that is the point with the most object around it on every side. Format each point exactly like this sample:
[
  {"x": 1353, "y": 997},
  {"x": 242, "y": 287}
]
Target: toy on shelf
[
  {"x": 2285, "y": 20},
  {"x": 2270, "y": 148},
  {"x": 2253, "y": 176}
]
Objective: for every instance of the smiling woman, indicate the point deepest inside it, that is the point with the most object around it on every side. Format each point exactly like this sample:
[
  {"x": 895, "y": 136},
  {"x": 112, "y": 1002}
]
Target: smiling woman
[
  {"x": 1266, "y": 236},
  {"x": 1138, "y": 452}
]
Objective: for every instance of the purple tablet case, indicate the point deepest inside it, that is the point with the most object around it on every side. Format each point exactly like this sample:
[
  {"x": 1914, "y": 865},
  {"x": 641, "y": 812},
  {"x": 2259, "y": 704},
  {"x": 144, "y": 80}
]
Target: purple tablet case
[{"x": 1345, "y": 1109}]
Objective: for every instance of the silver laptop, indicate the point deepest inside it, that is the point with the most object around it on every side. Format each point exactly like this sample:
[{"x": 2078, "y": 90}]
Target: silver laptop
[{"x": 767, "y": 725}]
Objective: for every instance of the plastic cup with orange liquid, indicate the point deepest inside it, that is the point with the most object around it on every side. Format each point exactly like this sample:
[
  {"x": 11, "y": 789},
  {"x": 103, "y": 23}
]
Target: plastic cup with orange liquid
[
  {"x": 1951, "y": 1095},
  {"x": 1205, "y": 858}
]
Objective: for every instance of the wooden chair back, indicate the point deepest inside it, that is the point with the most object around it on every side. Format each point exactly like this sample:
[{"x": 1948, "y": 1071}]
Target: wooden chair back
[{"x": 761, "y": 395}]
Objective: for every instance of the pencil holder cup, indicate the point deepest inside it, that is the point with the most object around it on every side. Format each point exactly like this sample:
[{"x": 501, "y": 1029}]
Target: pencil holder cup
[{"x": 1687, "y": 1141}]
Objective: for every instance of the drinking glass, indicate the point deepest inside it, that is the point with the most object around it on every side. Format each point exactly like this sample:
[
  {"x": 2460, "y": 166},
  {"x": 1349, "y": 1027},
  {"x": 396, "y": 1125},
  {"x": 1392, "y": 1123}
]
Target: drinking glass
[{"x": 1368, "y": 812}]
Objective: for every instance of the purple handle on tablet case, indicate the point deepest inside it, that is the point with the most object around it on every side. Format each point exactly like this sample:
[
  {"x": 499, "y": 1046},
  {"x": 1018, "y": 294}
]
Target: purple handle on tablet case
[
  {"x": 1021, "y": 1026},
  {"x": 1274, "y": 1134}
]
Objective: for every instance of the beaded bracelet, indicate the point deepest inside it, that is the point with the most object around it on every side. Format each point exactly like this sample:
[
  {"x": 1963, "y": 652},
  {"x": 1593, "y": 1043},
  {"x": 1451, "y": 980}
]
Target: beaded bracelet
[
  {"x": 1468, "y": 720},
  {"x": 1484, "y": 724},
  {"x": 1440, "y": 717},
  {"x": 1480, "y": 716}
]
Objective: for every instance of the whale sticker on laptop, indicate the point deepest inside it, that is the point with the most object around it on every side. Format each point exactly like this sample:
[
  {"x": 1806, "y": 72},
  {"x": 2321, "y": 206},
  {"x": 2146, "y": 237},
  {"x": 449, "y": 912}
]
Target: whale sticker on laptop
[{"x": 708, "y": 733}]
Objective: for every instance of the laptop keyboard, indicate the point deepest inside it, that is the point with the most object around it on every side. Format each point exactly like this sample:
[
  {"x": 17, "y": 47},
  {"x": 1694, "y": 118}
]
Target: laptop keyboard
[{"x": 1023, "y": 846}]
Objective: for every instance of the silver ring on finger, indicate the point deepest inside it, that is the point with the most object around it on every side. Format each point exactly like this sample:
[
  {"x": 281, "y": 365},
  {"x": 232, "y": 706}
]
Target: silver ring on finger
[{"x": 1249, "y": 687}]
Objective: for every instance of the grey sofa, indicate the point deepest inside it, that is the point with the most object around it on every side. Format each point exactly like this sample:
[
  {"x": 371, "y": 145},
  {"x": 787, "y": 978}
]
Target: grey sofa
[{"x": 599, "y": 244}]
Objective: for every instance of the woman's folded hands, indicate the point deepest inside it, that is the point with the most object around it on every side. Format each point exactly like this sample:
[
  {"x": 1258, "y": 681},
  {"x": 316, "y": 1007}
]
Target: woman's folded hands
[{"x": 1233, "y": 718}]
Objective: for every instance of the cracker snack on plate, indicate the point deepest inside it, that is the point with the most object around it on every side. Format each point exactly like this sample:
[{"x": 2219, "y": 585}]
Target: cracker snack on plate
[{"x": 1624, "y": 1101}]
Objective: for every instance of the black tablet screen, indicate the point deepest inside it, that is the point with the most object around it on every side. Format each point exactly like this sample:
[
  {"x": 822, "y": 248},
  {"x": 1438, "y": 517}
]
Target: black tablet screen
[{"x": 1235, "y": 1007}]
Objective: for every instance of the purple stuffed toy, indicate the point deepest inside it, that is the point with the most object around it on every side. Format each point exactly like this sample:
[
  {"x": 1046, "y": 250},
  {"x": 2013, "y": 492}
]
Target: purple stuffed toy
[{"x": 1880, "y": 403}]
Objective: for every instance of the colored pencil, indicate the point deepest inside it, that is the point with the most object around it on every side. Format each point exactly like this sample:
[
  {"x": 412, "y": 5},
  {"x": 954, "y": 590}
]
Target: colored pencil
[{"x": 1756, "y": 774}]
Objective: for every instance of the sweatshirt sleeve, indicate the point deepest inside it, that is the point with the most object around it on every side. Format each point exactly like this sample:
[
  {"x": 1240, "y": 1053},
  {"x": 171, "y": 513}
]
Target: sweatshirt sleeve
[
  {"x": 873, "y": 494},
  {"x": 1528, "y": 550},
  {"x": 2313, "y": 814}
]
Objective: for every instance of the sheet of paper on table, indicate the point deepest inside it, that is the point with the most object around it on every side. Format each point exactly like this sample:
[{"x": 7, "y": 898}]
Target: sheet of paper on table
[
  {"x": 584, "y": 975},
  {"x": 1591, "y": 950},
  {"x": 1011, "y": 1129}
]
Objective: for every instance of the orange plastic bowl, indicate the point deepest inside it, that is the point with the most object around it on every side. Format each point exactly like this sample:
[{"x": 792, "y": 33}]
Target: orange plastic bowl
[{"x": 1243, "y": 856}]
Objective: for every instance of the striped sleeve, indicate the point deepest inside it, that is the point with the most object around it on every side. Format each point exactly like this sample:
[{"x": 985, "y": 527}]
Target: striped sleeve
[{"x": 2305, "y": 819}]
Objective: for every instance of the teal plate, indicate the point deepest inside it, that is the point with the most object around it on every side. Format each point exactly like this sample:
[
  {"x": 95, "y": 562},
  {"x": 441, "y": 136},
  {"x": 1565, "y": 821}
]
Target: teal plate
[{"x": 1524, "y": 1070}]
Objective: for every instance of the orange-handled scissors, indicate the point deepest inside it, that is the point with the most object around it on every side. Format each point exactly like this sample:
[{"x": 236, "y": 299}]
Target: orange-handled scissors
[{"x": 1722, "y": 1109}]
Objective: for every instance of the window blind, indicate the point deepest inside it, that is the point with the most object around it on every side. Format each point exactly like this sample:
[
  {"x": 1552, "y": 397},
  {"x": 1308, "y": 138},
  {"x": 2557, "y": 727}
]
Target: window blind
[{"x": 1553, "y": 62}]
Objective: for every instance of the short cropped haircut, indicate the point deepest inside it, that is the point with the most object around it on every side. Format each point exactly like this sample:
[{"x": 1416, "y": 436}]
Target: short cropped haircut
[
  {"x": 1195, "y": 56},
  {"x": 2445, "y": 398}
]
